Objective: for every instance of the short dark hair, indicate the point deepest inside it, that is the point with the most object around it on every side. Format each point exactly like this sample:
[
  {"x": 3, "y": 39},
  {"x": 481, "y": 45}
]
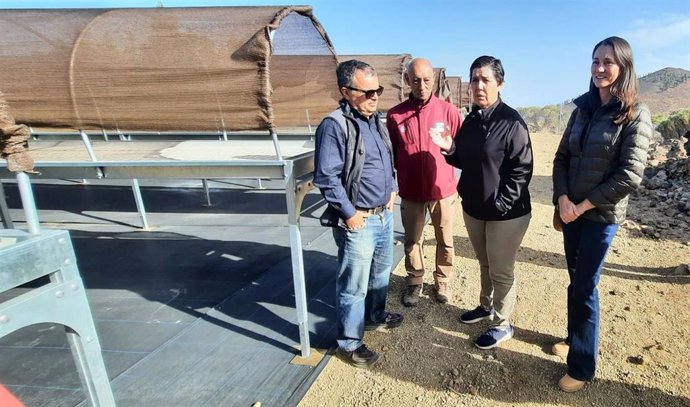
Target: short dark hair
[
  {"x": 346, "y": 71},
  {"x": 494, "y": 63}
]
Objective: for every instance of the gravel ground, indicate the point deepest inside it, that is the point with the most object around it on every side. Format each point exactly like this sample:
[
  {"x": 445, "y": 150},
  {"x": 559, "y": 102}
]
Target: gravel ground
[{"x": 431, "y": 360}]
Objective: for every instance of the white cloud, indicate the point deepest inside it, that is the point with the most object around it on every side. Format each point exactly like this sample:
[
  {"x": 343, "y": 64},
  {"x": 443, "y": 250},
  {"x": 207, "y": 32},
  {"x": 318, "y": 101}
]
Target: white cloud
[
  {"x": 660, "y": 42},
  {"x": 661, "y": 33}
]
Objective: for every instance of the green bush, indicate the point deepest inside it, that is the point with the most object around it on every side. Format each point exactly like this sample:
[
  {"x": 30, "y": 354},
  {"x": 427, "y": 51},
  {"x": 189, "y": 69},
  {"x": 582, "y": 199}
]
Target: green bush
[
  {"x": 676, "y": 125},
  {"x": 551, "y": 118},
  {"x": 658, "y": 118}
]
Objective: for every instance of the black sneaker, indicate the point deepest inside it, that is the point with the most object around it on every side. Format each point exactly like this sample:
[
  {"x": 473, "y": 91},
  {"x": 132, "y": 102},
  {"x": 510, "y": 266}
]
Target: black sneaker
[
  {"x": 493, "y": 336},
  {"x": 360, "y": 357},
  {"x": 390, "y": 321},
  {"x": 478, "y": 314}
]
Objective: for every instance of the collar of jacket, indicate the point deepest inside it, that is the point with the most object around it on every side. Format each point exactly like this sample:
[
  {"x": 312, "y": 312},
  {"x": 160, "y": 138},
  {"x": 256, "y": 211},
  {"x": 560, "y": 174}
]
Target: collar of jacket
[
  {"x": 485, "y": 114},
  {"x": 590, "y": 102},
  {"x": 419, "y": 105}
]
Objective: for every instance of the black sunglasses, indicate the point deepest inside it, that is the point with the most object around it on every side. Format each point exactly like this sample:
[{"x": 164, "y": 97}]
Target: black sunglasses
[{"x": 368, "y": 93}]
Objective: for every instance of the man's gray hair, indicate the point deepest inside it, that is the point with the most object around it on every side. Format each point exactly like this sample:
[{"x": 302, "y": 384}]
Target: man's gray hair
[{"x": 346, "y": 71}]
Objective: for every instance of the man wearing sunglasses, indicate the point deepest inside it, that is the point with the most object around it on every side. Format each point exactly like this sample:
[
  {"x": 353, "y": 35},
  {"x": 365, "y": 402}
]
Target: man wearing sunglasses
[
  {"x": 354, "y": 171},
  {"x": 427, "y": 182}
]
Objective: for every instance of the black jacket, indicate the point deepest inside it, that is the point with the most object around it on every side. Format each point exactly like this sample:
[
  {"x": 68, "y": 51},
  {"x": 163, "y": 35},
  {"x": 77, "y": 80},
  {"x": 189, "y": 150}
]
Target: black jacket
[
  {"x": 494, "y": 152},
  {"x": 600, "y": 160}
]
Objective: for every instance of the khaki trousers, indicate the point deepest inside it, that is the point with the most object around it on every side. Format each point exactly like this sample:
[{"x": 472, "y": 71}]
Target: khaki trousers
[
  {"x": 496, "y": 244},
  {"x": 413, "y": 214}
]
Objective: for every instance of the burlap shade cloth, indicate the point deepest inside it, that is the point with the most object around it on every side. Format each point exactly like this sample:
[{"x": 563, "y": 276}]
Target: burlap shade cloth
[
  {"x": 458, "y": 91},
  {"x": 390, "y": 70},
  {"x": 441, "y": 87},
  {"x": 167, "y": 69},
  {"x": 13, "y": 141}
]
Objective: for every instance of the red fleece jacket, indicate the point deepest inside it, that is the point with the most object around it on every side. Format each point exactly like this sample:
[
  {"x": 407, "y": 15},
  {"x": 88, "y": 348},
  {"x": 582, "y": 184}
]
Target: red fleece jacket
[{"x": 423, "y": 173}]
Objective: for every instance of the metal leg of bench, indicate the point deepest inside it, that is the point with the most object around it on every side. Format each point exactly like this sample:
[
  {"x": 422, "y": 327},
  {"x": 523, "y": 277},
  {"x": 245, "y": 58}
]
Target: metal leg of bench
[
  {"x": 73, "y": 307},
  {"x": 63, "y": 301},
  {"x": 89, "y": 149},
  {"x": 4, "y": 210},
  {"x": 297, "y": 260},
  {"x": 140, "y": 203},
  {"x": 28, "y": 202},
  {"x": 207, "y": 192},
  {"x": 66, "y": 304},
  {"x": 86, "y": 351}
]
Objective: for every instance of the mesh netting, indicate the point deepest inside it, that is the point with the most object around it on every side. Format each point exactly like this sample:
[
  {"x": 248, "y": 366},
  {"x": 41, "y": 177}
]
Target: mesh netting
[
  {"x": 196, "y": 69},
  {"x": 441, "y": 87},
  {"x": 465, "y": 93},
  {"x": 458, "y": 91}
]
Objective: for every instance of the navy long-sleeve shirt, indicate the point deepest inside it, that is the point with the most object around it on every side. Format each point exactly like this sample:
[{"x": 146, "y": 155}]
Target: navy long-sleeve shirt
[{"x": 376, "y": 183}]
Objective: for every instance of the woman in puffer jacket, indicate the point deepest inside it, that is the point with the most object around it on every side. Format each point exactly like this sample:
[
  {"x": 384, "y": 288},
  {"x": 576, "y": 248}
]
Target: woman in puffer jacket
[{"x": 599, "y": 162}]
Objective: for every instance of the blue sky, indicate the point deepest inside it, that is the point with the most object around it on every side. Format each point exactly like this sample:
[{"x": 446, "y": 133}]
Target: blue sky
[{"x": 545, "y": 45}]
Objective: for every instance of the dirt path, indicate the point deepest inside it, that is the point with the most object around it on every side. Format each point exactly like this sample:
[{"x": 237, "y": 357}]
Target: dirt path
[{"x": 431, "y": 361}]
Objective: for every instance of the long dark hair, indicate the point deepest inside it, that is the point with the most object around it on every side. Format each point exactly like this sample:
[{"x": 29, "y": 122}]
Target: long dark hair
[{"x": 624, "y": 88}]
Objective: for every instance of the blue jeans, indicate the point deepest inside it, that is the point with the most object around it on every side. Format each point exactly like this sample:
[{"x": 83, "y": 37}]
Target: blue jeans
[
  {"x": 586, "y": 243},
  {"x": 366, "y": 260}
]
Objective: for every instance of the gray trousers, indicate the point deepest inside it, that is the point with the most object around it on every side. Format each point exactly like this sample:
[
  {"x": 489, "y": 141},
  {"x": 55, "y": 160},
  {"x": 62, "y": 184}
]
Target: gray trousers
[{"x": 496, "y": 244}]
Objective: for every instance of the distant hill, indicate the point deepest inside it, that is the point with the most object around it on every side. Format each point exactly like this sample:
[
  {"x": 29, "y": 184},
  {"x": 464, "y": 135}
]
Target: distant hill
[{"x": 664, "y": 91}]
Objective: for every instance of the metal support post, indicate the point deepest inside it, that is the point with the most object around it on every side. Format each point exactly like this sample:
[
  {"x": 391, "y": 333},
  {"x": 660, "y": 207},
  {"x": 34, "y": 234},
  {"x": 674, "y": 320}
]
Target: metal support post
[
  {"x": 4, "y": 210},
  {"x": 276, "y": 145},
  {"x": 89, "y": 150},
  {"x": 140, "y": 203},
  {"x": 204, "y": 181},
  {"x": 308, "y": 122},
  {"x": 297, "y": 260},
  {"x": 135, "y": 185},
  {"x": 28, "y": 203}
]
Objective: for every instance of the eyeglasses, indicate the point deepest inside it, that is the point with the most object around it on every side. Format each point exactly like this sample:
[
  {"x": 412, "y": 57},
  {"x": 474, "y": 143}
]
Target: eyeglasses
[{"x": 368, "y": 93}]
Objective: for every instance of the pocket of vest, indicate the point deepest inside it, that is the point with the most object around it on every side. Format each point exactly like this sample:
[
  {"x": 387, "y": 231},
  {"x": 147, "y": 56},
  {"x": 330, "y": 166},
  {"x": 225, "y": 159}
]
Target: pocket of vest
[{"x": 329, "y": 217}]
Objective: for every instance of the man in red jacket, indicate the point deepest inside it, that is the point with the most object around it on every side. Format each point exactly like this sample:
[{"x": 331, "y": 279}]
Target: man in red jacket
[{"x": 425, "y": 181}]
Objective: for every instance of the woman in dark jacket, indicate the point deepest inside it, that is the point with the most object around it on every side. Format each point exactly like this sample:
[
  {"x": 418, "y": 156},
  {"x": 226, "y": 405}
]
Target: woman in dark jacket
[
  {"x": 494, "y": 152},
  {"x": 599, "y": 162}
]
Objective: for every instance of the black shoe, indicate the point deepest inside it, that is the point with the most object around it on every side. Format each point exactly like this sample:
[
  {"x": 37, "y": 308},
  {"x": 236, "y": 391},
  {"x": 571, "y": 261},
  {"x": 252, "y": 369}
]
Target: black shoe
[
  {"x": 493, "y": 336},
  {"x": 360, "y": 357},
  {"x": 478, "y": 314},
  {"x": 390, "y": 321}
]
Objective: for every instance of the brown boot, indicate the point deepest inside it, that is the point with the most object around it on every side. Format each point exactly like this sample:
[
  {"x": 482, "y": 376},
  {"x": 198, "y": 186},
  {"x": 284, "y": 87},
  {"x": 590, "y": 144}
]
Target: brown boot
[
  {"x": 570, "y": 385},
  {"x": 561, "y": 350},
  {"x": 411, "y": 295},
  {"x": 441, "y": 292}
]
